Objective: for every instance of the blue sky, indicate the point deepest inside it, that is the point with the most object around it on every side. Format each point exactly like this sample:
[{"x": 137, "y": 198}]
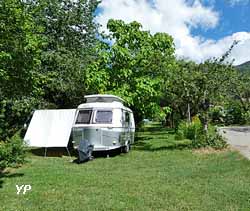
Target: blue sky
[
  {"x": 233, "y": 18},
  {"x": 201, "y": 29}
]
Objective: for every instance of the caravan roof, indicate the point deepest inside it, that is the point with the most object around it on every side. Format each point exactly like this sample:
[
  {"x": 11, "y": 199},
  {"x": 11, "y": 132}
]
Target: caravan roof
[
  {"x": 103, "y": 98},
  {"x": 103, "y": 101}
]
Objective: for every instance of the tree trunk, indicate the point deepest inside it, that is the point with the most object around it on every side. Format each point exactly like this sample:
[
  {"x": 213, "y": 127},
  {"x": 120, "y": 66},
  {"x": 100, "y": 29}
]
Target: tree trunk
[{"x": 188, "y": 114}]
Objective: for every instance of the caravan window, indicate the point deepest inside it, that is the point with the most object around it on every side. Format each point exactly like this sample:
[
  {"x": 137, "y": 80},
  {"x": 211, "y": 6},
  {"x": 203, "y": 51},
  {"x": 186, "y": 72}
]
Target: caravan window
[
  {"x": 125, "y": 118},
  {"x": 84, "y": 117},
  {"x": 103, "y": 116}
]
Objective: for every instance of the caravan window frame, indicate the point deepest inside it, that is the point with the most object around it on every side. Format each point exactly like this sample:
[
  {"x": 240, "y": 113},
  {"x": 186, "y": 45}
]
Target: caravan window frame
[
  {"x": 125, "y": 114},
  {"x": 90, "y": 116},
  {"x": 100, "y": 110}
]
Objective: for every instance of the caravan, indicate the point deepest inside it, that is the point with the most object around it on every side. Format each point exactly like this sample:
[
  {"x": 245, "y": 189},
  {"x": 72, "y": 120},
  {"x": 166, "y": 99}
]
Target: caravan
[
  {"x": 105, "y": 123},
  {"x": 102, "y": 123}
]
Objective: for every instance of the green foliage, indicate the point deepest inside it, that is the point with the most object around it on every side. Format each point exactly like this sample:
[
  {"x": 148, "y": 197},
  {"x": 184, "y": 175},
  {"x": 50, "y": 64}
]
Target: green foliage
[
  {"x": 231, "y": 113},
  {"x": 234, "y": 113},
  {"x": 12, "y": 152},
  {"x": 215, "y": 140},
  {"x": 20, "y": 48},
  {"x": 217, "y": 114},
  {"x": 194, "y": 131},
  {"x": 246, "y": 117},
  {"x": 14, "y": 113},
  {"x": 161, "y": 114},
  {"x": 239, "y": 91},
  {"x": 212, "y": 139},
  {"x": 134, "y": 66},
  {"x": 45, "y": 48},
  {"x": 191, "y": 88},
  {"x": 69, "y": 33}
]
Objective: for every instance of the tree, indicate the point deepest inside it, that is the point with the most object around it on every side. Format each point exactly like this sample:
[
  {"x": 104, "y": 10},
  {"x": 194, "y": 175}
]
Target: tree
[
  {"x": 70, "y": 36},
  {"x": 45, "y": 47},
  {"x": 181, "y": 91},
  {"x": 133, "y": 66},
  {"x": 191, "y": 88},
  {"x": 20, "y": 50}
]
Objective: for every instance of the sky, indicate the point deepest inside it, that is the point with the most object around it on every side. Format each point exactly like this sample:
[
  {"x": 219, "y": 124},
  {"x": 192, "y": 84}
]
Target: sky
[{"x": 202, "y": 29}]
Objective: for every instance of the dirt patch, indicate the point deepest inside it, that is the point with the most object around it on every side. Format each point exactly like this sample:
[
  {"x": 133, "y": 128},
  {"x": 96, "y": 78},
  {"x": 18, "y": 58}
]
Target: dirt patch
[{"x": 209, "y": 150}]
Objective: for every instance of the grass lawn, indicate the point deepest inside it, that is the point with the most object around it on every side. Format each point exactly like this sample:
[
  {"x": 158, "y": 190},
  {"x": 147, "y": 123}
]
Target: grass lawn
[{"x": 153, "y": 176}]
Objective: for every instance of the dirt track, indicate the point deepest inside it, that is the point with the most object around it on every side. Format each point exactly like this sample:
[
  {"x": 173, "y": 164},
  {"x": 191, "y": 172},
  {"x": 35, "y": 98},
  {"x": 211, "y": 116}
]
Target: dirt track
[{"x": 238, "y": 138}]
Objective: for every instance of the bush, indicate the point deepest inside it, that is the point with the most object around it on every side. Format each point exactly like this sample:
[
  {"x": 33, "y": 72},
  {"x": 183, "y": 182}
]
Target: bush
[
  {"x": 12, "y": 152},
  {"x": 216, "y": 141},
  {"x": 190, "y": 131},
  {"x": 246, "y": 117},
  {"x": 234, "y": 114},
  {"x": 231, "y": 114},
  {"x": 194, "y": 131},
  {"x": 15, "y": 112},
  {"x": 217, "y": 114}
]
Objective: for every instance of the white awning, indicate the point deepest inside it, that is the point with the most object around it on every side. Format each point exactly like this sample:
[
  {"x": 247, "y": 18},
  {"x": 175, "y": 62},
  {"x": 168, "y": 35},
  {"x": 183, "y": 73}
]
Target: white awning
[{"x": 50, "y": 128}]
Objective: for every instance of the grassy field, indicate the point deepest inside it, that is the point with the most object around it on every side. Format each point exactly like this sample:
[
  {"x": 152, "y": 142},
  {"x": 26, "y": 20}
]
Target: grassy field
[{"x": 153, "y": 176}]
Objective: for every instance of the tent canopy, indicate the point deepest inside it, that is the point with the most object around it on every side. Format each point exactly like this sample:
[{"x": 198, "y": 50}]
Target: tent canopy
[{"x": 50, "y": 128}]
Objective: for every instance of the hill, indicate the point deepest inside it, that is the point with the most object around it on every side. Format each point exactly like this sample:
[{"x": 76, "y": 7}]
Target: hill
[{"x": 245, "y": 67}]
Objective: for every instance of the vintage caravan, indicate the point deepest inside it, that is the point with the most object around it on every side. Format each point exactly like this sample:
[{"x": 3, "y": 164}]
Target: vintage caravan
[{"x": 105, "y": 123}]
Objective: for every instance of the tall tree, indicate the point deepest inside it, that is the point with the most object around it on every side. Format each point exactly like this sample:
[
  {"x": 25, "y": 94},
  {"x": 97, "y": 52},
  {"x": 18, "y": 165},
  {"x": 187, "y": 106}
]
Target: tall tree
[
  {"x": 70, "y": 35},
  {"x": 45, "y": 47},
  {"x": 192, "y": 88},
  {"x": 133, "y": 66},
  {"x": 20, "y": 48}
]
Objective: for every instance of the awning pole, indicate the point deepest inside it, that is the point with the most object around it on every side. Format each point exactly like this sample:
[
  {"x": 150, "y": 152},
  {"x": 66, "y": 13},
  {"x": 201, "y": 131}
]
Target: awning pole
[{"x": 68, "y": 152}]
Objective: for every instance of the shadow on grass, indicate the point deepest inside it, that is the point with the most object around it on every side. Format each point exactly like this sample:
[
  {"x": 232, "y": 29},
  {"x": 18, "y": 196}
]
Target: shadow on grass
[
  {"x": 51, "y": 151},
  {"x": 155, "y": 129},
  {"x": 101, "y": 154},
  {"x": 8, "y": 175},
  {"x": 60, "y": 151},
  {"x": 141, "y": 138},
  {"x": 151, "y": 147},
  {"x": 159, "y": 141}
]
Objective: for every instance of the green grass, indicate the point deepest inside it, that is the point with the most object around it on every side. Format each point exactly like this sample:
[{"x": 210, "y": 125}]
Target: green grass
[
  {"x": 155, "y": 177},
  {"x": 153, "y": 137}
]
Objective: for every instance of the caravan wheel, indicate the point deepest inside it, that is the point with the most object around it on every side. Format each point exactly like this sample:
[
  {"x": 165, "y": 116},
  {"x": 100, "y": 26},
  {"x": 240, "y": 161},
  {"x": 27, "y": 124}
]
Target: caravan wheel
[{"x": 126, "y": 148}]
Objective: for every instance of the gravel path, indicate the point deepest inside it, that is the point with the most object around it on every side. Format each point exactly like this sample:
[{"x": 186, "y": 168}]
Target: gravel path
[{"x": 238, "y": 138}]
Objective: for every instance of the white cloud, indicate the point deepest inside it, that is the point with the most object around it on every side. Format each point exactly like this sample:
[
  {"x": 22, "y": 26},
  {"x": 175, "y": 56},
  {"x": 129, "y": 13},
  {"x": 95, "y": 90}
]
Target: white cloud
[
  {"x": 240, "y": 53},
  {"x": 177, "y": 18}
]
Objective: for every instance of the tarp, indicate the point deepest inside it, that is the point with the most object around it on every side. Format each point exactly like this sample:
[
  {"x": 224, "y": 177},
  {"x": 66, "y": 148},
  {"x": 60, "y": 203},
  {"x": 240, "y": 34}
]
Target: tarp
[{"x": 50, "y": 128}]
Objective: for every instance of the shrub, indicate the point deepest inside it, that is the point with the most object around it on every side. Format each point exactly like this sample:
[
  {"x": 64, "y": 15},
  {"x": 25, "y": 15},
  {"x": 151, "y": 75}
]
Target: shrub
[
  {"x": 234, "y": 114},
  {"x": 217, "y": 114},
  {"x": 211, "y": 139},
  {"x": 190, "y": 131},
  {"x": 12, "y": 152},
  {"x": 216, "y": 141},
  {"x": 194, "y": 131},
  {"x": 246, "y": 117},
  {"x": 15, "y": 112}
]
